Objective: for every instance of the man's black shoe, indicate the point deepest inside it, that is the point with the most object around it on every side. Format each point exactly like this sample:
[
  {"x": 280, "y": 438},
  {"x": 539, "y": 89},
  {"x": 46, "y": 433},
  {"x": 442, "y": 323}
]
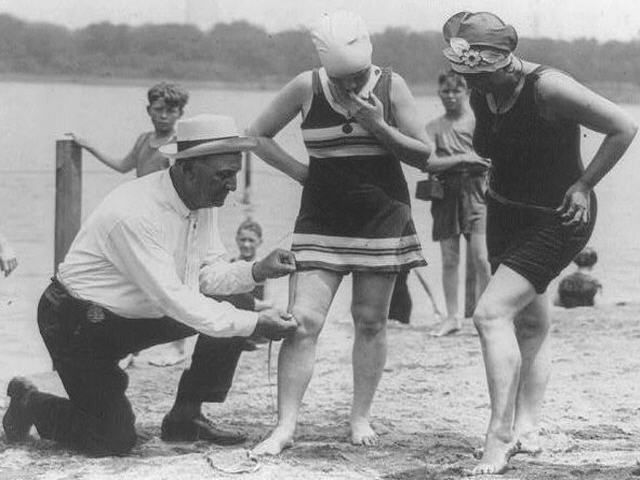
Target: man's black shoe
[
  {"x": 198, "y": 428},
  {"x": 17, "y": 421}
]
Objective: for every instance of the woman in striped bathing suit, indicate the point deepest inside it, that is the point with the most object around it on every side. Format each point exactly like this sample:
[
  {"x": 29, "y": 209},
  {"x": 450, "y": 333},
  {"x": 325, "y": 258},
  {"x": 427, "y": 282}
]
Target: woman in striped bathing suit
[{"x": 359, "y": 121}]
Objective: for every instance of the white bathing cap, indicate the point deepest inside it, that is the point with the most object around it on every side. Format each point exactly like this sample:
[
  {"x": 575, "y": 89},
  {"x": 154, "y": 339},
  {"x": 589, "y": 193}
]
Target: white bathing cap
[{"x": 342, "y": 42}]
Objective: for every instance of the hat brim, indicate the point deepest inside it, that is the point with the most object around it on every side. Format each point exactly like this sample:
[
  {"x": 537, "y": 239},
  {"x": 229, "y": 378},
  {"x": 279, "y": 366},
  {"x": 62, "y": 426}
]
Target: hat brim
[
  {"x": 227, "y": 145},
  {"x": 458, "y": 67}
]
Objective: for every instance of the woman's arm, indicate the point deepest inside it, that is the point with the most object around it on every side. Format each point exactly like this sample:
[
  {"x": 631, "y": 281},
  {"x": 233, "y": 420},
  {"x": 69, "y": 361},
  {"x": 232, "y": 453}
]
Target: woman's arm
[
  {"x": 409, "y": 142},
  {"x": 439, "y": 163},
  {"x": 122, "y": 165},
  {"x": 284, "y": 107},
  {"x": 561, "y": 97}
]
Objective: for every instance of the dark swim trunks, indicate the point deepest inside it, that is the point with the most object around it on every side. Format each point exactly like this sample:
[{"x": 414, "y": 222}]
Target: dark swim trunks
[{"x": 534, "y": 244}]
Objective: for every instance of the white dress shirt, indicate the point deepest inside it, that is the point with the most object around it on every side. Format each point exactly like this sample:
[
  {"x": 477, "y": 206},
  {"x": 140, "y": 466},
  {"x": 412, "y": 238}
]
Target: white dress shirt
[{"x": 143, "y": 254}]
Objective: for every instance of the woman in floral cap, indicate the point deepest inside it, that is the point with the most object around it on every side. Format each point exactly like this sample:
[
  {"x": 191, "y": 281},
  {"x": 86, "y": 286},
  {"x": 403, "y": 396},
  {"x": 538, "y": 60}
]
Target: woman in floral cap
[{"x": 541, "y": 211}]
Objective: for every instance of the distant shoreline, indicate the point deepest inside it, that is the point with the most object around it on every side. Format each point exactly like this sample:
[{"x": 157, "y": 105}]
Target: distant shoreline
[{"x": 620, "y": 92}]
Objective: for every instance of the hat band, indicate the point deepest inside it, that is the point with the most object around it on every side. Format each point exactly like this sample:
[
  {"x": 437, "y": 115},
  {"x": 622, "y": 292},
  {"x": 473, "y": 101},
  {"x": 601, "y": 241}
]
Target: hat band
[
  {"x": 474, "y": 57},
  {"x": 187, "y": 144}
]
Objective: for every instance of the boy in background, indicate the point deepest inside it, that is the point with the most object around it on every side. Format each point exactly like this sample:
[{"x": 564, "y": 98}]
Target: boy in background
[
  {"x": 462, "y": 211},
  {"x": 166, "y": 106},
  {"x": 248, "y": 240}
]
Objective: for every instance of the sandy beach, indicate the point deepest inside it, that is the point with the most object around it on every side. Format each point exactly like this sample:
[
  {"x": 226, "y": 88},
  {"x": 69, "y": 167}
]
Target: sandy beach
[
  {"x": 430, "y": 410},
  {"x": 432, "y": 405}
]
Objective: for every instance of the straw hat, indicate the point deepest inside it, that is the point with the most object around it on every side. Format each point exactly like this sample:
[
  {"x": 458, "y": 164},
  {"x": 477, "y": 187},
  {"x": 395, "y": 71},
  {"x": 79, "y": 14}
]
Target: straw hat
[{"x": 206, "y": 134}]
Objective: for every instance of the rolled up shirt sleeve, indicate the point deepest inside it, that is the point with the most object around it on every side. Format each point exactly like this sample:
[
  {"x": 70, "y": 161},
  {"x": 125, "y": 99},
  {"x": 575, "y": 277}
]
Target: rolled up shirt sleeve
[
  {"x": 221, "y": 277},
  {"x": 134, "y": 249}
]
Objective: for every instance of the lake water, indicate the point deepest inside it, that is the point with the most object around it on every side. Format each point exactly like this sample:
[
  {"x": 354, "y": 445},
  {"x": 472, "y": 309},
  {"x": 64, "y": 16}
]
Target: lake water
[{"x": 33, "y": 116}]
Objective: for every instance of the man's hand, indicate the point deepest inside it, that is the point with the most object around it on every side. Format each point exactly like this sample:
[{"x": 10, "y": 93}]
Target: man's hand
[
  {"x": 275, "y": 325},
  {"x": 278, "y": 263}
]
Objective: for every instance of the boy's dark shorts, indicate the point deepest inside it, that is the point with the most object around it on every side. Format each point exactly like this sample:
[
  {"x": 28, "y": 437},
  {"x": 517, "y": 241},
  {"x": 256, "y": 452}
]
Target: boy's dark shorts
[{"x": 463, "y": 210}]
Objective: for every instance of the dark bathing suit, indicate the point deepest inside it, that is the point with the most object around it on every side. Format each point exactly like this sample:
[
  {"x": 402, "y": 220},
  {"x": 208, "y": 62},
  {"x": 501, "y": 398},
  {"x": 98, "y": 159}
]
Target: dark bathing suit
[{"x": 534, "y": 162}]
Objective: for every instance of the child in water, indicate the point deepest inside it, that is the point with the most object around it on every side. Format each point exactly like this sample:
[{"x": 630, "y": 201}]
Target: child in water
[{"x": 579, "y": 289}]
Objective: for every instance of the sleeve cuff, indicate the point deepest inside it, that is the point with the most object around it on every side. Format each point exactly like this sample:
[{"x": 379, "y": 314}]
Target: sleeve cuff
[
  {"x": 245, "y": 322},
  {"x": 247, "y": 274}
]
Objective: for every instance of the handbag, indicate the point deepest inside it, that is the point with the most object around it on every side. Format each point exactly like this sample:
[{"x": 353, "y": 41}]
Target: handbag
[{"x": 430, "y": 189}]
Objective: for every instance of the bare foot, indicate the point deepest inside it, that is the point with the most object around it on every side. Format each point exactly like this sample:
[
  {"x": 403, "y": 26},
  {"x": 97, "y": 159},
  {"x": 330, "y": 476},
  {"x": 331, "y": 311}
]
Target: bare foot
[
  {"x": 529, "y": 443},
  {"x": 449, "y": 325},
  {"x": 274, "y": 444},
  {"x": 363, "y": 434},
  {"x": 495, "y": 457}
]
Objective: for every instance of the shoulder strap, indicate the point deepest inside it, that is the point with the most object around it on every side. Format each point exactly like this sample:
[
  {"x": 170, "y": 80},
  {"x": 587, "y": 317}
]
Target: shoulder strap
[
  {"x": 383, "y": 91},
  {"x": 315, "y": 81}
]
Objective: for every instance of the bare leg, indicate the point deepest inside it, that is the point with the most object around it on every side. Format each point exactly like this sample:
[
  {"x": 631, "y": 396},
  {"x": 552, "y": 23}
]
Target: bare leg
[
  {"x": 532, "y": 332},
  {"x": 370, "y": 306},
  {"x": 313, "y": 292},
  {"x": 505, "y": 296},
  {"x": 450, "y": 248},
  {"x": 480, "y": 258}
]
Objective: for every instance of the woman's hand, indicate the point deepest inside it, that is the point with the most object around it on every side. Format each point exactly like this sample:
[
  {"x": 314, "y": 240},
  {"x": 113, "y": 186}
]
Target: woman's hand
[
  {"x": 367, "y": 112},
  {"x": 473, "y": 159},
  {"x": 575, "y": 207}
]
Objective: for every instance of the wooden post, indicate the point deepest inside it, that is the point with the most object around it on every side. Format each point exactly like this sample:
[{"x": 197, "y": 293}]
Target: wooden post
[
  {"x": 246, "y": 194},
  {"x": 68, "y": 196},
  {"x": 470, "y": 285}
]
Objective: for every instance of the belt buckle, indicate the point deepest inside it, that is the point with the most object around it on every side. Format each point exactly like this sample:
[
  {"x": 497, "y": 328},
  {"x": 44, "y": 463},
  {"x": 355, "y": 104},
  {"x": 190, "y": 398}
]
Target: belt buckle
[{"x": 95, "y": 314}]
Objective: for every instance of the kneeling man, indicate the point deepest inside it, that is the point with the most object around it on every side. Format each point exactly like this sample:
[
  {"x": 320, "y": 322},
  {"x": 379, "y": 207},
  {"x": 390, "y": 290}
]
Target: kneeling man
[{"x": 136, "y": 276}]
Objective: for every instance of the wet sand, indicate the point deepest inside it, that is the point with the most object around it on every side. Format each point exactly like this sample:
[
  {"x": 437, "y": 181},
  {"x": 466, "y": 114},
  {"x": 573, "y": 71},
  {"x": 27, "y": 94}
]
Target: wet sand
[{"x": 431, "y": 410}]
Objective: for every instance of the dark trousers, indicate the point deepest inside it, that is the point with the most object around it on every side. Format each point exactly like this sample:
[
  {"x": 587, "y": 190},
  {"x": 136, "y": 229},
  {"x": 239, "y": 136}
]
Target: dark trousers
[{"x": 86, "y": 342}]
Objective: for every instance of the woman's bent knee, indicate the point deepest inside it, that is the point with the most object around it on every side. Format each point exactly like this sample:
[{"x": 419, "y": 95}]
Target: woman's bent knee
[
  {"x": 486, "y": 317},
  {"x": 529, "y": 326}
]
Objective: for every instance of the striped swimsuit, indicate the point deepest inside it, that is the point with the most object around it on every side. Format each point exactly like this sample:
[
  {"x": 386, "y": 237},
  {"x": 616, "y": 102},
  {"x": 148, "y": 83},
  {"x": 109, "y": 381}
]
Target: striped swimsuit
[{"x": 355, "y": 212}]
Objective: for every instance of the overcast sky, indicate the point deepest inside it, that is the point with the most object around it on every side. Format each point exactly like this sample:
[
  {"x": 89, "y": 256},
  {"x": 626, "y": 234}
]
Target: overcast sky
[{"x": 566, "y": 19}]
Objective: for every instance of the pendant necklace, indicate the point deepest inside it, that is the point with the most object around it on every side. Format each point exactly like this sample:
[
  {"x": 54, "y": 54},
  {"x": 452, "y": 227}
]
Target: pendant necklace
[{"x": 347, "y": 128}]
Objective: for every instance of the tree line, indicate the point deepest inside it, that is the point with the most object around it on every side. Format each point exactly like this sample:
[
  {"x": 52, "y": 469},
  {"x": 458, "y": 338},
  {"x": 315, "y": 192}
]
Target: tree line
[{"x": 240, "y": 52}]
